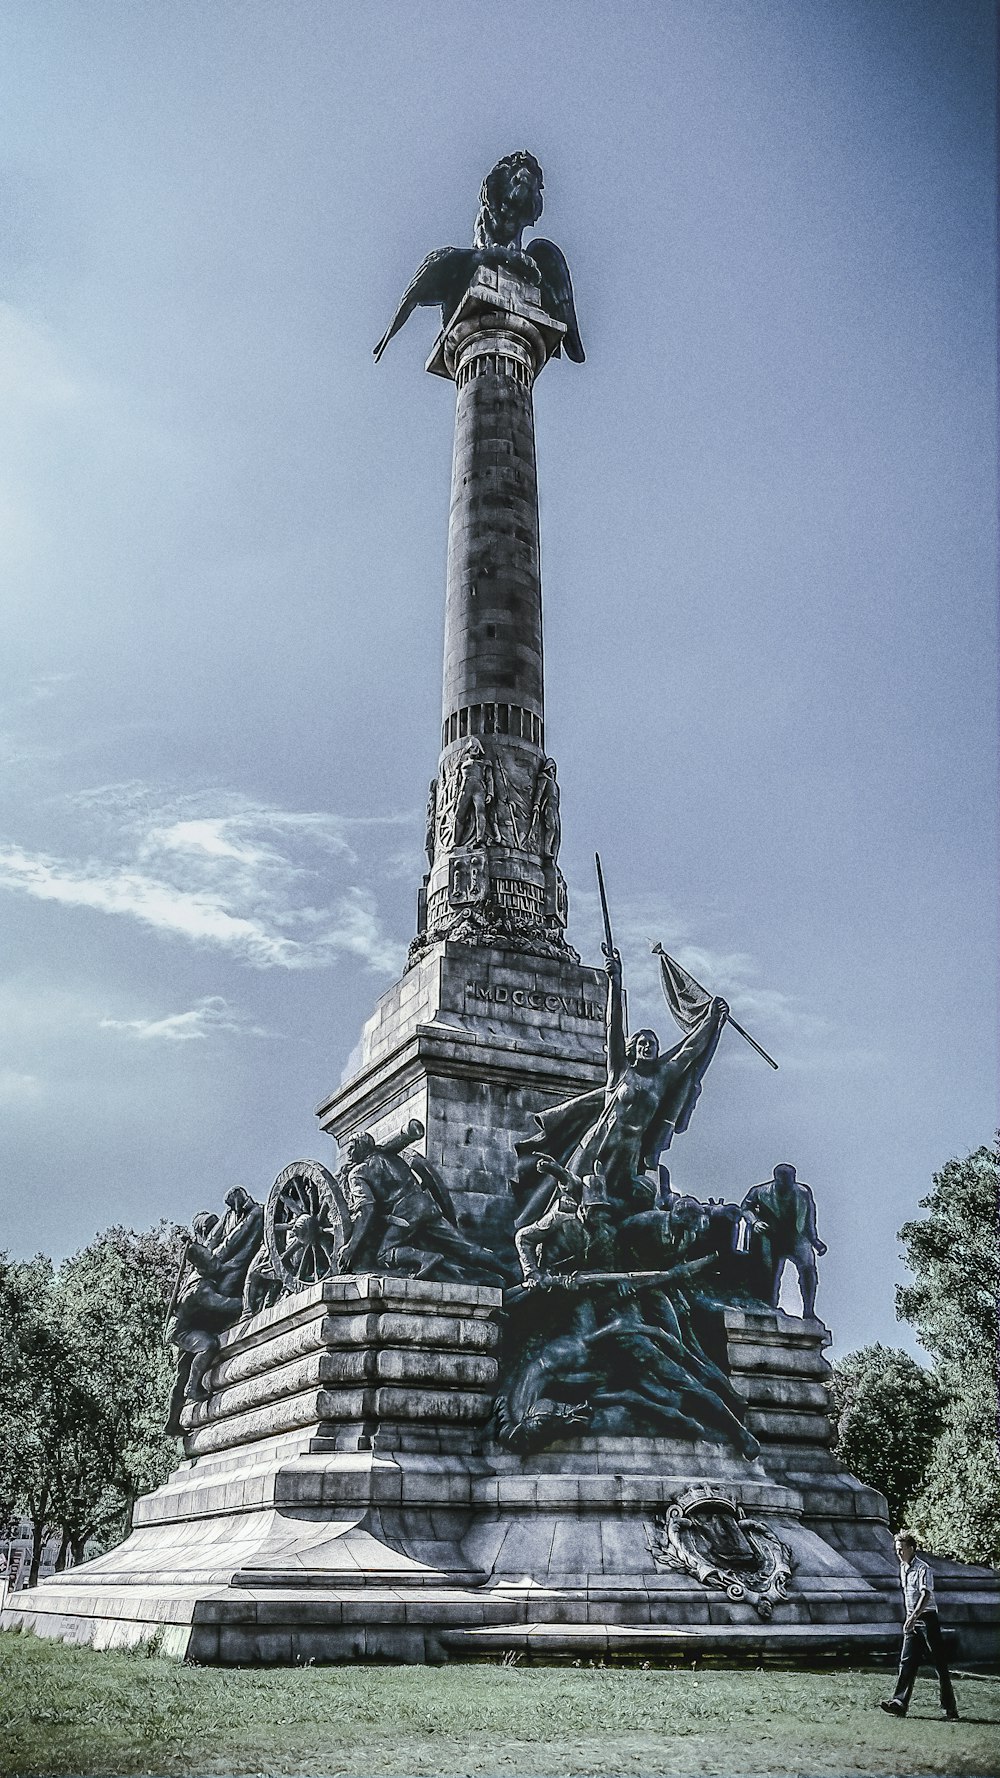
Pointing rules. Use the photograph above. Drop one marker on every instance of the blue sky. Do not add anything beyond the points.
(768, 553)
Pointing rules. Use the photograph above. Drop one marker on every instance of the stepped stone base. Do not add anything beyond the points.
(342, 1500)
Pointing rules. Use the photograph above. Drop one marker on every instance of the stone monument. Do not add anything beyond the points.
(492, 1385)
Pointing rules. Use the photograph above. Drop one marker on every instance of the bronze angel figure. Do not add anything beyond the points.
(510, 202)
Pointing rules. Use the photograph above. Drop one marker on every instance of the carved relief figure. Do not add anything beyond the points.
(545, 828)
(507, 807)
(446, 785)
(475, 799)
(430, 826)
(469, 878)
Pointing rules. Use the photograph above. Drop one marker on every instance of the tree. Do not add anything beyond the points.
(85, 1378)
(33, 1366)
(114, 1296)
(889, 1417)
(952, 1303)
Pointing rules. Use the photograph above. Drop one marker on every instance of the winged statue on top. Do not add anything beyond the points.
(510, 202)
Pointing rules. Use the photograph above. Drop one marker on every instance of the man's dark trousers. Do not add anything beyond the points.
(924, 1642)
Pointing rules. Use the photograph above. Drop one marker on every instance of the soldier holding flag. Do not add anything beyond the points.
(621, 1129)
(648, 1095)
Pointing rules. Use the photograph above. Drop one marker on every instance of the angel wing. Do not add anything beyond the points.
(557, 292)
(444, 277)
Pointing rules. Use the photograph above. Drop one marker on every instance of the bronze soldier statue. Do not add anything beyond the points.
(783, 1215)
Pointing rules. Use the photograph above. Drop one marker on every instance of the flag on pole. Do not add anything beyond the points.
(687, 1001)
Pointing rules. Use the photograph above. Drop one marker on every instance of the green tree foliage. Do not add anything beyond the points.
(889, 1417)
(86, 1376)
(30, 1355)
(955, 1260)
(114, 1297)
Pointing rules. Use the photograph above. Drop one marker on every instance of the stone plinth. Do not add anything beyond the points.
(777, 1365)
(471, 1041)
(357, 1519)
(356, 1363)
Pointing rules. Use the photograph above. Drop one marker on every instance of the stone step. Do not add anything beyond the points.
(260, 1579)
(778, 1643)
(780, 1360)
(369, 1365)
(612, 1493)
(788, 1426)
(322, 1408)
(357, 1332)
(782, 1392)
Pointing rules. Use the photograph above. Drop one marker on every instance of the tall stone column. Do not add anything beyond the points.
(493, 823)
(494, 1017)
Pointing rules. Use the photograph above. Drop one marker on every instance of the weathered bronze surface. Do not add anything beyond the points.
(510, 202)
(782, 1214)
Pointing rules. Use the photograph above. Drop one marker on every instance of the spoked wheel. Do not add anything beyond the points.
(305, 1224)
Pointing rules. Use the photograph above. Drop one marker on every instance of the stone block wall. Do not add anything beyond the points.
(355, 1363)
(472, 1042)
(777, 1365)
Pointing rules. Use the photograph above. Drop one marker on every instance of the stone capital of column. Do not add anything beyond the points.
(496, 302)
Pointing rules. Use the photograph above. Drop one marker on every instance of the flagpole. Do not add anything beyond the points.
(658, 951)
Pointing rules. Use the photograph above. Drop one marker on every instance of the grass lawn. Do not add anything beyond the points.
(68, 1710)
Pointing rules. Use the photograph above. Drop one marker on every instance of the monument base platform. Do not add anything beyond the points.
(343, 1500)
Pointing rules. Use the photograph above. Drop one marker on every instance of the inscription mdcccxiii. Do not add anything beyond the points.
(533, 1000)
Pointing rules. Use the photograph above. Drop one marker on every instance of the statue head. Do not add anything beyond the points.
(689, 1216)
(784, 1174)
(203, 1224)
(359, 1147)
(238, 1200)
(642, 1046)
(510, 200)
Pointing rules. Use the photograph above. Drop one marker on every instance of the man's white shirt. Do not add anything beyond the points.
(915, 1578)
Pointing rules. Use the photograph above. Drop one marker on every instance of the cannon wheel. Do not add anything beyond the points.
(305, 1224)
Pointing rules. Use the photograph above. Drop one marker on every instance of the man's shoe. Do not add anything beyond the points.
(951, 1716)
(891, 1707)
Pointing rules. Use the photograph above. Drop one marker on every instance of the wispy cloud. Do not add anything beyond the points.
(215, 869)
(35, 373)
(18, 1088)
(801, 1038)
(209, 1015)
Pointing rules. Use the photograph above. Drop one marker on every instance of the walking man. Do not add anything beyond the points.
(922, 1639)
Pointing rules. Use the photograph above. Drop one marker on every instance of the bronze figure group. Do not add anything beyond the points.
(614, 1283)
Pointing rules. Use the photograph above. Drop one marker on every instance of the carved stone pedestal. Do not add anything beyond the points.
(471, 1041)
(341, 1499)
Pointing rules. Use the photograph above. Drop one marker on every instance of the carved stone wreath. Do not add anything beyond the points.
(710, 1537)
